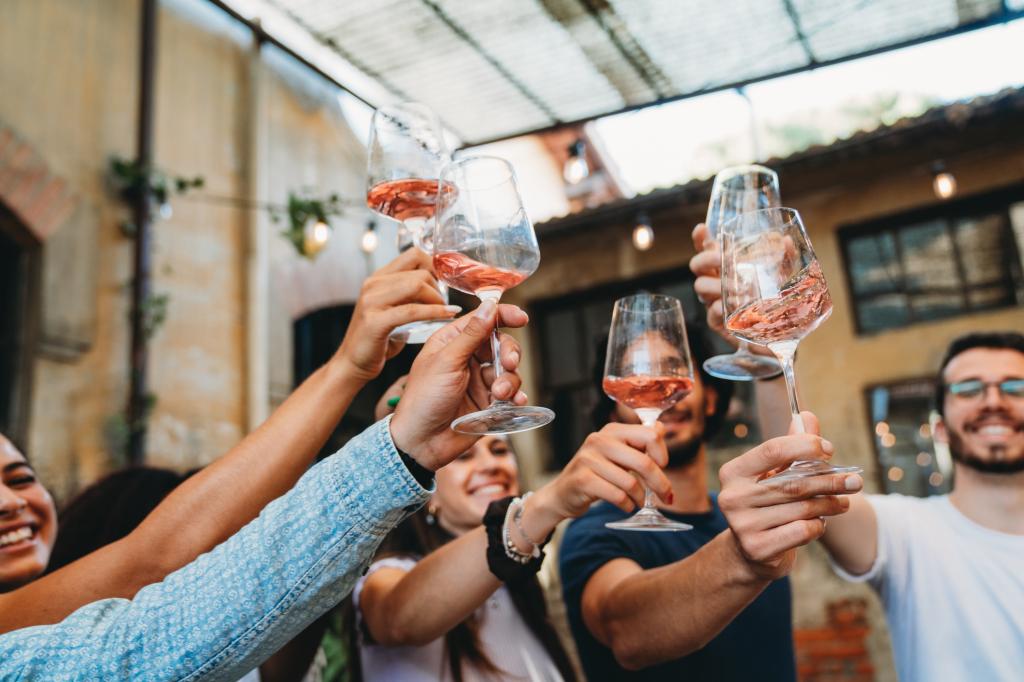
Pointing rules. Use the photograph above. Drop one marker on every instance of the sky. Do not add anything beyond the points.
(666, 145)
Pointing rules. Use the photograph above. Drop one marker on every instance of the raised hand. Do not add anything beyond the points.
(402, 291)
(448, 379)
(769, 522)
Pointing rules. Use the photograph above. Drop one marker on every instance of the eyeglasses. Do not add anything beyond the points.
(972, 389)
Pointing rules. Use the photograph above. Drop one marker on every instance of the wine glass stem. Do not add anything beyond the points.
(495, 343)
(744, 348)
(648, 417)
(785, 352)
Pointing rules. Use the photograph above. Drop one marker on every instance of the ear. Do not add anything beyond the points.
(710, 399)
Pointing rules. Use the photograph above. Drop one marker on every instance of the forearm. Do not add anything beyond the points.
(439, 593)
(773, 413)
(452, 582)
(672, 611)
(852, 538)
(206, 509)
(246, 598)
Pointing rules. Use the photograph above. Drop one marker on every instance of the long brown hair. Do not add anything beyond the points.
(416, 537)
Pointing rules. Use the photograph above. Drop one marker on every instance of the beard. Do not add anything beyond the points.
(961, 454)
(681, 454)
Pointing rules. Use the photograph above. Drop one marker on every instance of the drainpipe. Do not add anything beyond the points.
(141, 281)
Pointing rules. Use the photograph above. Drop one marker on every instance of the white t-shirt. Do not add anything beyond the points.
(505, 638)
(953, 592)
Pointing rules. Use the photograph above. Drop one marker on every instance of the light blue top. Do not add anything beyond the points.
(231, 608)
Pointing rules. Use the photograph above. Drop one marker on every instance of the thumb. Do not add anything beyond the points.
(809, 422)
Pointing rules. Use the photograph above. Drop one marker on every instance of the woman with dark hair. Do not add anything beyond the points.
(453, 593)
(108, 510)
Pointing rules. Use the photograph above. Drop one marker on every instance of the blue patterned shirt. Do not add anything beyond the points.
(231, 608)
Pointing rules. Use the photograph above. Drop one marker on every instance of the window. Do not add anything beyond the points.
(570, 329)
(20, 274)
(948, 260)
(902, 418)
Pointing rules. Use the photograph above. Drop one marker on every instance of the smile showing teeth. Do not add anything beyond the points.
(995, 430)
(492, 489)
(19, 535)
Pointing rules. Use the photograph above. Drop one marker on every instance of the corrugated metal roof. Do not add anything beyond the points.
(496, 68)
(948, 118)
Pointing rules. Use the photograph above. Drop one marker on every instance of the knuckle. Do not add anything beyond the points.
(726, 499)
(794, 488)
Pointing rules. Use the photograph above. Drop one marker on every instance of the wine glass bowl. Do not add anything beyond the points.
(774, 294)
(737, 190)
(406, 153)
(484, 244)
(648, 369)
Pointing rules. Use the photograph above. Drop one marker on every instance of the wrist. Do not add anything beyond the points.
(538, 519)
(406, 444)
(341, 369)
(745, 570)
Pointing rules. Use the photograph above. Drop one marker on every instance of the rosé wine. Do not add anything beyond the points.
(640, 390)
(795, 312)
(404, 199)
(473, 277)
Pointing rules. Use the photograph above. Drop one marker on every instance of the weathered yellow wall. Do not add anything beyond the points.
(69, 71)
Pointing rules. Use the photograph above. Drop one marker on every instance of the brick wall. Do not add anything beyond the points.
(836, 651)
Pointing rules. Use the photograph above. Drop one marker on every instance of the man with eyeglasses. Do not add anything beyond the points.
(950, 569)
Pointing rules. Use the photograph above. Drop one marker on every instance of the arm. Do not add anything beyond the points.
(418, 606)
(852, 539)
(198, 515)
(630, 610)
(647, 617)
(229, 609)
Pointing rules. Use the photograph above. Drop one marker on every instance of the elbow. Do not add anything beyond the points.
(399, 631)
(628, 647)
(633, 651)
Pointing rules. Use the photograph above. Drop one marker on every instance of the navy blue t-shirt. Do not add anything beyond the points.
(757, 645)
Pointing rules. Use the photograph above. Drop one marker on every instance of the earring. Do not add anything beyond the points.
(432, 514)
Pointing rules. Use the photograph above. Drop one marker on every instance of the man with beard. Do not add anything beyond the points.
(950, 568)
(712, 603)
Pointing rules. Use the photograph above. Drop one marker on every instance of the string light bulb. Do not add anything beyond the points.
(576, 169)
(370, 239)
(315, 236)
(943, 182)
(643, 233)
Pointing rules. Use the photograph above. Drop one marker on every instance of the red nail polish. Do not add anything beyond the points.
(671, 497)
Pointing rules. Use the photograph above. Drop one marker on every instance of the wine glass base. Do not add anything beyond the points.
(742, 367)
(499, 419)
(648, 519)
(417, 332)
(807, 469)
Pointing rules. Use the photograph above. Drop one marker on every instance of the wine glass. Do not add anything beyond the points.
(734, 191)
(406, 154)
(483, 245)
(774, 294)
(648, 369)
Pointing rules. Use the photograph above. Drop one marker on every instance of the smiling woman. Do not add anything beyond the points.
(28, 520)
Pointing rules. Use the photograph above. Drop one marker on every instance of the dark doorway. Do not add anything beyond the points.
(317, 336)
(19, 315)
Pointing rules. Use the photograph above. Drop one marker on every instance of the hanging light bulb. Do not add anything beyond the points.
(370, 239)
(315, 236)
(576, 169)
(943, 182)
(643, 233)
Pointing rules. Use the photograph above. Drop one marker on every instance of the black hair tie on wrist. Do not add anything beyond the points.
(501, 565)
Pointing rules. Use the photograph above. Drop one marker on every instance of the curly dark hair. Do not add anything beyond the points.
(700, 350)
